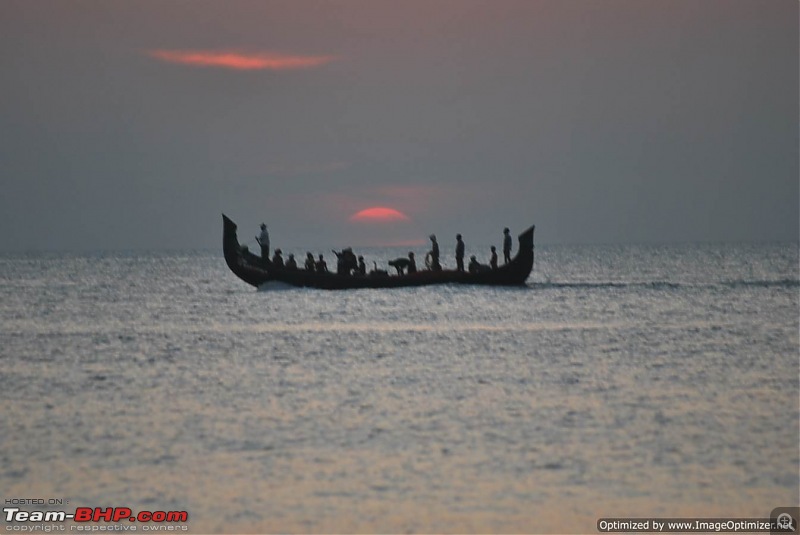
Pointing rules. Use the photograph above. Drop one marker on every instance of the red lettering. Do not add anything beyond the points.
(120, 513)
(106, 515)
(177, 516)
(116, 514)
(83, 514)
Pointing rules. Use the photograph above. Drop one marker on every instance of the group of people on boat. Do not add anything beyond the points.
(432, 258)
(348, 264)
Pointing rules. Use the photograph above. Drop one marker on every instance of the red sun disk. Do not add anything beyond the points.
(379, 214)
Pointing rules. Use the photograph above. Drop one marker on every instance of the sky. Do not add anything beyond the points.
(135, 125)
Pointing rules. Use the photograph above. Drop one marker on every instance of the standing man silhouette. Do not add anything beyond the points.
(434, 254)
(506, 246)
(263, 241)
(459, 253)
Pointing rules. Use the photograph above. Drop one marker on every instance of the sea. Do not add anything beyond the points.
(621, 381)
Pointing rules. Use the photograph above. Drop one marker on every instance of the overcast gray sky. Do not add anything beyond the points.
(135, 124)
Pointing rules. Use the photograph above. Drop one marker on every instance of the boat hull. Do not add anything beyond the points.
(256, 271)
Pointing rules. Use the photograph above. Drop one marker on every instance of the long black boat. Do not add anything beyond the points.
(256, 271)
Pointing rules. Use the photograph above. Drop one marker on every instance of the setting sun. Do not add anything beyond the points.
(379, 214)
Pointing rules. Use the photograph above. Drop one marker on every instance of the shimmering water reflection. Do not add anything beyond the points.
(623, 381)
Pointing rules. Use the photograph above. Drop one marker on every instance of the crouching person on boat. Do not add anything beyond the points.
(403, 264)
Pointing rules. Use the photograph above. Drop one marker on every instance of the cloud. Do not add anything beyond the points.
(241, 61)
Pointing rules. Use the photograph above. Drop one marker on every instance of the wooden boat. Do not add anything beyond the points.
(256, 271)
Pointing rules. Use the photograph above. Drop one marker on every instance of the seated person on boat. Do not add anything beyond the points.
(322, 266)
(277, 259)
(310, 264)
(475, 266)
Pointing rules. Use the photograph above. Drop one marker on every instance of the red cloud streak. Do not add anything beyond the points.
(240, 61)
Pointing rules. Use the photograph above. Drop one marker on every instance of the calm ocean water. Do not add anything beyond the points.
(624, 381)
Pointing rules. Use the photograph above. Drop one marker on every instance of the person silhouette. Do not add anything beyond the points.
(310, 262)
(322, 266)
(412, 264)
(277, 259)
(434, 254)
(263, 241)
(506, 246)
(474, 266)
(459, 253)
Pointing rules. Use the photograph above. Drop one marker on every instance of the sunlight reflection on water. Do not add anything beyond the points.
(164, 383)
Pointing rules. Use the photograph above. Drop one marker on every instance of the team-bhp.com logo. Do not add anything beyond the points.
(98, 514)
